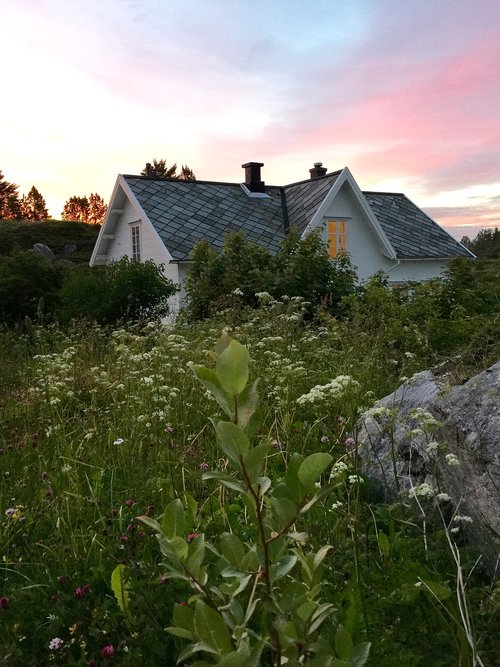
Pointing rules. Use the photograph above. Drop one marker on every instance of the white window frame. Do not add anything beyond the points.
(136, 240)
(340, 236)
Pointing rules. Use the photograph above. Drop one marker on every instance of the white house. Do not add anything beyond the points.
(161, 219)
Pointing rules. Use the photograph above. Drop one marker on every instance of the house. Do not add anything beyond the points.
(160, 219)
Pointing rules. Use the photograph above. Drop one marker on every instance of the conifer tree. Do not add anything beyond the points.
(33, 206)
(159, 169)
(9, 200)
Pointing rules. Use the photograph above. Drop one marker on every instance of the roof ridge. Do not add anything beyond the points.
(314, 180)
(161, 179)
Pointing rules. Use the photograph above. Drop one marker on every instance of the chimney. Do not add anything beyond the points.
(252, 176)
(318, 170)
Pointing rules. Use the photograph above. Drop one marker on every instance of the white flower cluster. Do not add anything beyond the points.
(422, 490)
(333, 389)
(452, 460)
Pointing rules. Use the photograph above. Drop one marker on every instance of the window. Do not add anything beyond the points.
(336, 236)
(136, 243)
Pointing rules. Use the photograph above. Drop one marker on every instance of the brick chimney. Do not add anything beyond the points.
(318, 170)
(252, 176)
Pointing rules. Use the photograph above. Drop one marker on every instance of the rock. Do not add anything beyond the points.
(43, 251)
(425, 433)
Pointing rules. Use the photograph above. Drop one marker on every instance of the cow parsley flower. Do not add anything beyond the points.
(423, 490)
(452, 460)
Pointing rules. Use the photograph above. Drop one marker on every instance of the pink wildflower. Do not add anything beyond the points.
(108, 651)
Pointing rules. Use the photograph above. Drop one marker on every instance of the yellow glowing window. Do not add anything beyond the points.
(336, 231)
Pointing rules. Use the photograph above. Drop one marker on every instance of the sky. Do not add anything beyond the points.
(406, 93)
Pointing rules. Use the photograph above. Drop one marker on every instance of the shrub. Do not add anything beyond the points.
(124, 290)
(28, 284)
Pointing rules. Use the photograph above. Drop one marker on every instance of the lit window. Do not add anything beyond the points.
(136, 243)
(336, 236)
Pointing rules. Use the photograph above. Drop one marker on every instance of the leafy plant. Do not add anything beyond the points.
(257, 599)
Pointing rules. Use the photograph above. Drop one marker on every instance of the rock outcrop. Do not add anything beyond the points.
(446, 438)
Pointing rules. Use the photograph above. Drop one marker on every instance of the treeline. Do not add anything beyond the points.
(485, 244)
(90, 209)
(33, 206)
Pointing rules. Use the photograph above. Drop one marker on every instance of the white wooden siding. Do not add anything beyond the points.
(364, 251)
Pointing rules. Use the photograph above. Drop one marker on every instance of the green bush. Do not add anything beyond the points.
(301, 268)
(29, 284)
(124, 290)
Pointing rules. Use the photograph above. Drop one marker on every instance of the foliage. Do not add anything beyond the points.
(159, 169)
(91, 210)
(33, 207)
(301, 268)
(485, 244)
(9, 200)
(22, 235)
(100, 427)
(124, 290)
(29, 285)
(257, 600)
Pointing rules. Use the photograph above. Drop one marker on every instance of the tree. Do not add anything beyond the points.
(486, 244)
(33, 206)
(9, 200)
(85, 209)
(159, 169)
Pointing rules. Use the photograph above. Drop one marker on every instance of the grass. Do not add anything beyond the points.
(100, 427)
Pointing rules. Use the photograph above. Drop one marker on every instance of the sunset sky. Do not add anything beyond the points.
(406, 93)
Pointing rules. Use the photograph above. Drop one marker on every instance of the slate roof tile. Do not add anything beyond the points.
(183, 212)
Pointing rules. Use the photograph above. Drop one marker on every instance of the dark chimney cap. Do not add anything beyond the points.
(318, 170)
(252, 176)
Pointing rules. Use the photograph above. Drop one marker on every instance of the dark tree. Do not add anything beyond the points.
(9, 200)
(159, 169)
(33, 206)
(485, 244)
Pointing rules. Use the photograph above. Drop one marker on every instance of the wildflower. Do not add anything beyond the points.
(432, 447)
(355, 479)
(61, 579)
(191, 537)
(338, 469)
(123, 539)
(443, 498)
(169, 428)
(325, 439)
(55, 644)
(460, 518)
(203, 466)
(4, 602)
(349, 442)
(119, 441)
(275, 444)
(108, 651)
(237, 292)
(129, 502)
(452, 460)
(51, 617)
(337, 505)
(424, 490)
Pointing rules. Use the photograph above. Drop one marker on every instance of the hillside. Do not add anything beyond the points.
(59, 235)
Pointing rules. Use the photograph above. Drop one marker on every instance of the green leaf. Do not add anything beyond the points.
(180, 632)
(173, 523)
(248, 402)
(208, 379)
(254, 460)
(184, 617)
(152, 523)
(227, 480)
(320, 615)
(233, 441)
(436, 589)
(312, 467)
(120, 588)
(211, 628)
(195, 648)
(243, 658)
(384, 543)
(320, 555)
(231, 367)
(283, 512)
(232, 549)
(180, 547)
(360, 654)
(343, 643)
(282, 567)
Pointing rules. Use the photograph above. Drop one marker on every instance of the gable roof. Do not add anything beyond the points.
(412, 233)
(184, 212)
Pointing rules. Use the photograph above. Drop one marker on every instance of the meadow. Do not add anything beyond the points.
(108, 436)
